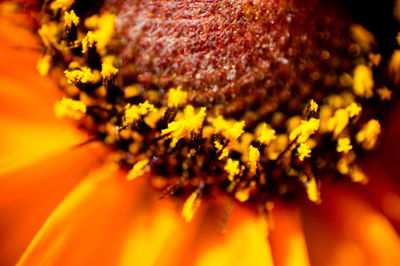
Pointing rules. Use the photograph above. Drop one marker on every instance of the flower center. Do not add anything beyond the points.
(257, 99)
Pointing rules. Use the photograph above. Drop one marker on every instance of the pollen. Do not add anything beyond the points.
(384, 94)
(108, 70)
(83, 75)
(190, 122)
(313, 106)
(61, 4)
(177, 97)
(267, 135)
(363, 81)
(232, 168)
(368, 135)
(88, 42)
(305, 130)
(344, 145)
(69, 108)
(135, 112)
(353, 109)
(254, 157)
(70, 19)
(304, 151)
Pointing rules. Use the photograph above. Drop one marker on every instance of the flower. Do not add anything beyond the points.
(66, 203)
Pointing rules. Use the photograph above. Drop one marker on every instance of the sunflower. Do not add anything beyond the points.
(104, 164)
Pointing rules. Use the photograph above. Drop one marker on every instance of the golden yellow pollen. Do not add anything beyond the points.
(88, 41)
(344, 145)
(338, 122)
(70, 18)
(83, 75)
(363, 81)
(385, 94)
(267, 135)
(138, 170)
(191, 205)
(363, 37)
(369, 133)
(394, 67)
(313, 106)
(304, 151)
(353, 109)
(177, 97)
(108, 70)
(134, 112)
(190, 122)
(304, 130)
(61, 4)
(43, 65)
(232, 168)
(69, 108)
(103, 30)
(254, 157)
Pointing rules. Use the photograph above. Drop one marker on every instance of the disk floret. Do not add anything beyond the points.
(253, 156)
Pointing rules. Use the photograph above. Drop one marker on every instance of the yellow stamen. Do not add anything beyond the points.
(338, 122)
(138, 170)
(304, 151)
(61, 4)
(232, 168)
(88, 42)
(384, 93)
(70, 18)
(344, 145)
(363, 81)
(304, 130)
(368, 135)
(254, 157)
(134, 112)
(267, 135)
(353, 109)
(108, 70)
(394, 67)
(83, 75)
(313, 106)
(190, 122)
(69, 108)
(177, 97)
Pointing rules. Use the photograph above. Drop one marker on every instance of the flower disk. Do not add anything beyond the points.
(257, 99)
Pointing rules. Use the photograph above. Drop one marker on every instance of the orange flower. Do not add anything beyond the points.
(63, 203)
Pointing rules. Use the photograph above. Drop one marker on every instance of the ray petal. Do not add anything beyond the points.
(287, 237)
(29, 194)
(87, 228)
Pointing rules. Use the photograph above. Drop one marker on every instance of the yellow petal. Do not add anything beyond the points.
(287, 237)
(87, 228)
(29, 194)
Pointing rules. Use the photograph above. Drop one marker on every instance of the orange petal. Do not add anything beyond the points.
(384, 191)
(287, 237)
(23, 92)
(245, 243)
(156, 236)
(347, 230)
(23, 142)
(87, 228)
(31, 193)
